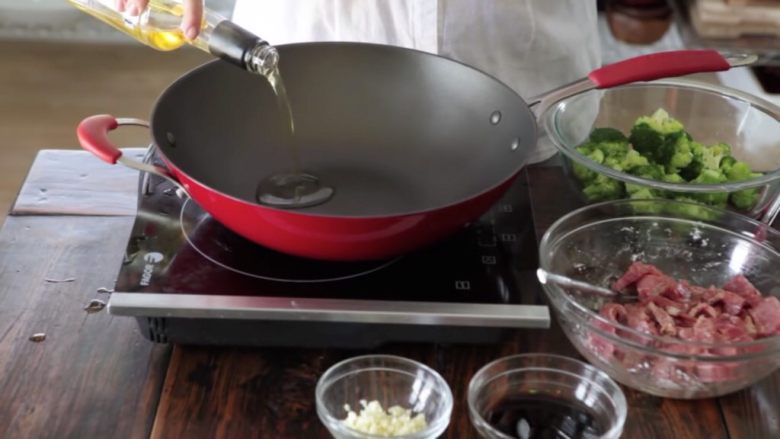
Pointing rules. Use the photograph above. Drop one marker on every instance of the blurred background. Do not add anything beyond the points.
(60, 65)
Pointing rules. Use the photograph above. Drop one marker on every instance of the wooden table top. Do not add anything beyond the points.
(94, 376)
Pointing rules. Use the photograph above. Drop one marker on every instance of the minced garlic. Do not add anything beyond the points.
(374, 420)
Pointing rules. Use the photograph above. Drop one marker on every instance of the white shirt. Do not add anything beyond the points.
(531, 45)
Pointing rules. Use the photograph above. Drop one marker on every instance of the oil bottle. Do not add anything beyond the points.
(158, 26)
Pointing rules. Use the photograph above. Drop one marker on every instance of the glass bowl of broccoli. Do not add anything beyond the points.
(676, 139)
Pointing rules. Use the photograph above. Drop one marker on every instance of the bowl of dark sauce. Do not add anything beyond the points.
(533, 396)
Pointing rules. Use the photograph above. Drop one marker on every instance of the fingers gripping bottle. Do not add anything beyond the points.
(158, 26)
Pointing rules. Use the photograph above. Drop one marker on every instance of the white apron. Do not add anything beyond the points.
(531, 45)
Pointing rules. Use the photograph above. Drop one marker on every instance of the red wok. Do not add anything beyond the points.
(414, 145)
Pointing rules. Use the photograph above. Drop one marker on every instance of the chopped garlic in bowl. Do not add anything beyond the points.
(383, 396)
(373, 419)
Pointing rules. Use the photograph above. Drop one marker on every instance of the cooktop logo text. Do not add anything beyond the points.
(151, 259)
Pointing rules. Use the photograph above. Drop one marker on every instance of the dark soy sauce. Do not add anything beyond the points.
(543, 417)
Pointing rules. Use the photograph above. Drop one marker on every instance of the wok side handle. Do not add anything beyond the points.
(92, 133)
(665, 65)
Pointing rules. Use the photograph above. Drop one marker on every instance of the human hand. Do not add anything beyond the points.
(190, 23)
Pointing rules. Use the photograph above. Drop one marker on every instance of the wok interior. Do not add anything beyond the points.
(394, 131)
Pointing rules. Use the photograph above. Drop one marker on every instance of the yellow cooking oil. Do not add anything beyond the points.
(157, 26)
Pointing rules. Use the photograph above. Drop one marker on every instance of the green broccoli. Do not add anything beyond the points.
(745, 199)
(661, 122)
(696, 165)
(603, 188)
(584, 174)
(681, 154)
(650, 171)
(599, 135)
(712, 155)
(633, 160)
(632, 188)
(739, 171)
(647, 141)
(649, 206)
(692, 209)
(658, 148)
(711, 176)
(726, 163)
(673, 178)
(642, 193)
(613, 149)
(705, 157)
(656, 136)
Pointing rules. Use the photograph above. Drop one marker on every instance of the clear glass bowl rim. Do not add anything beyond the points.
(328, 378)
(771, 345)
(616, 393)
(550, 118)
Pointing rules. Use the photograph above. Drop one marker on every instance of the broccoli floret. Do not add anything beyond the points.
(694, 168)
(633, 160)
(726, 163)
(613, 149)
(705, 157)
(599, 135)
(739, 171)
(649, 206)
(661, 122)
(710, 176)
(712, 155)
(691, 211)
(593, 153)
(655, 136)
(647, 141)
(643, 193)
(584, 174)
(633, 188)
(662, 139)
(625, 162)
(603, 188)
(650, 172)
(745, 199)
(682, 155)
(673, 178)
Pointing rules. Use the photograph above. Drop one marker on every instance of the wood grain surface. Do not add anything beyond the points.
(93, 376)
(63, 182)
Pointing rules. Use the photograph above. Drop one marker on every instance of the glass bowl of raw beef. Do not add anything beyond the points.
(696, 311)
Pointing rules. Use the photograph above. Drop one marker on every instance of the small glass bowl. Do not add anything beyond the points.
(710, 113)
(391, 381)
(546, 376)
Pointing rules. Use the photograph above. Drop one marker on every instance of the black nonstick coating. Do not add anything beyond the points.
(394, 131)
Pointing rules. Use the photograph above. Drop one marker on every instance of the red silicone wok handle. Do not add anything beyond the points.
(657, 66)
(93, 136)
